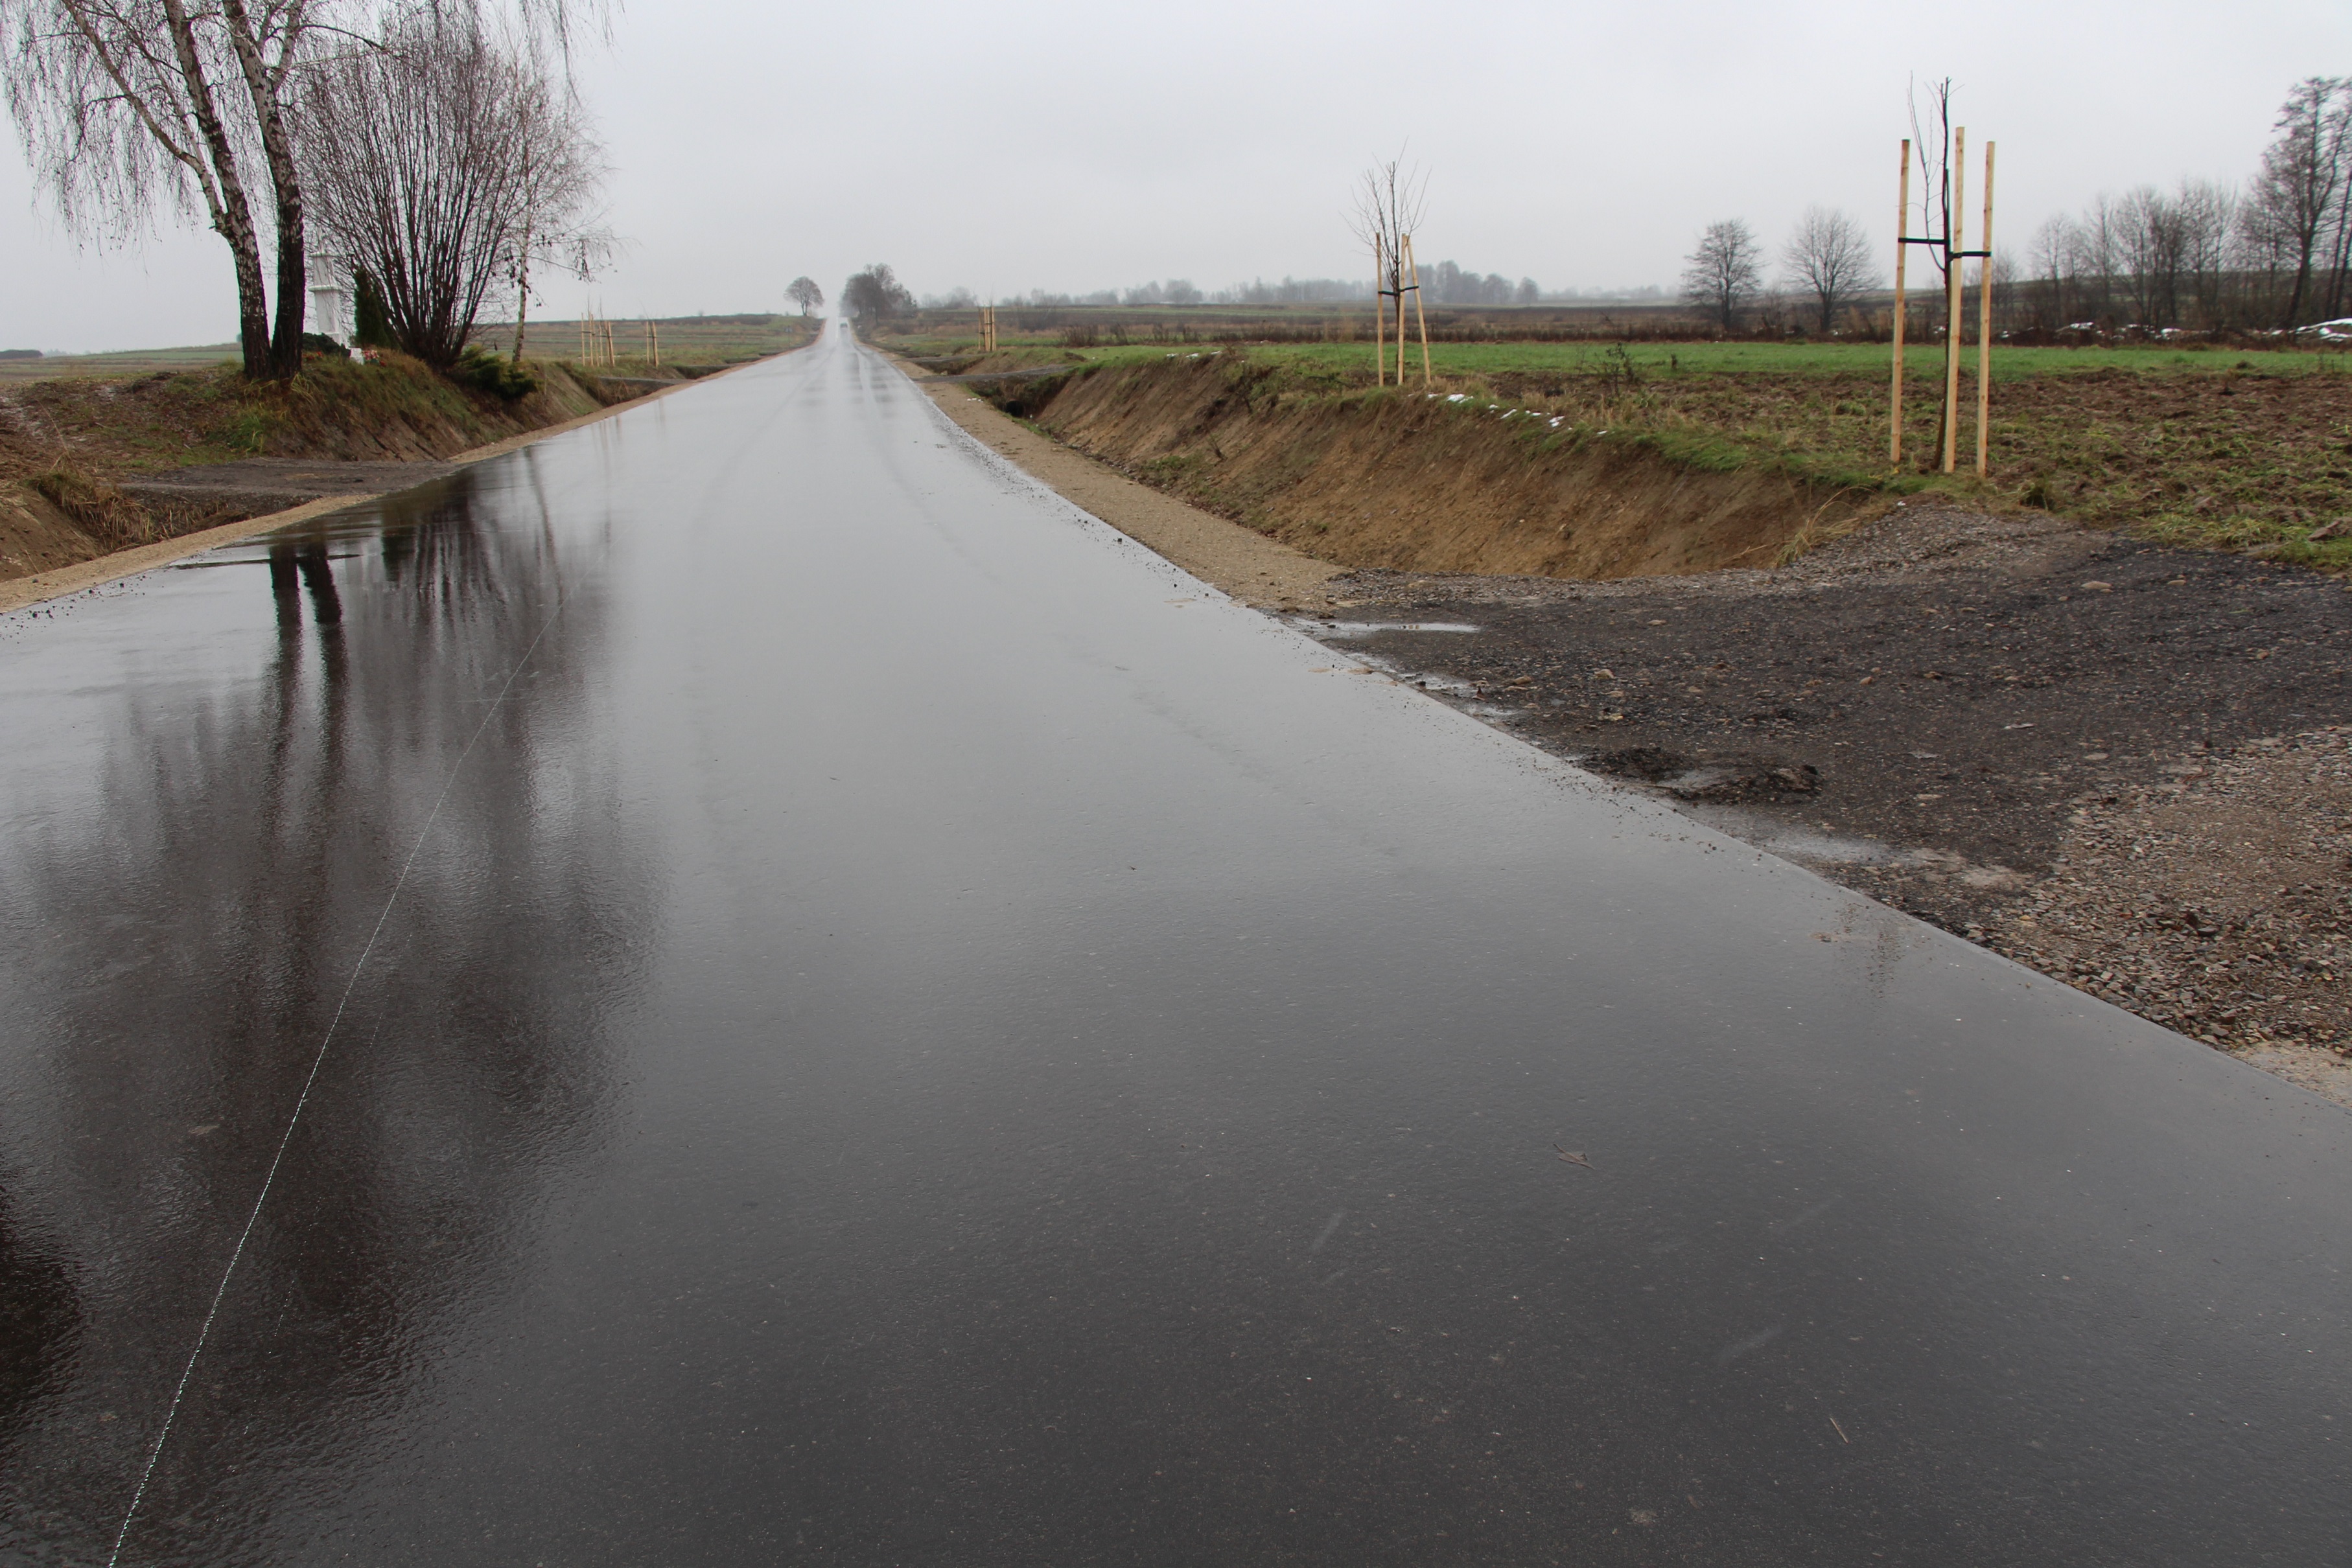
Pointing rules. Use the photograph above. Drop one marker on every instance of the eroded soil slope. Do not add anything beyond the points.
(1414, 482)
(72, 451)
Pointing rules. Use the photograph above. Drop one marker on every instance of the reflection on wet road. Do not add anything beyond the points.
(743, 985)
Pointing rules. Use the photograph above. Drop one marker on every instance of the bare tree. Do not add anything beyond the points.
(560, 172)
(130, 105)
(446, 165)
(874, 295)
(1935, 167)
(2154, 247)
(2098, 250)
(1389, 201)
(2054, 254)
(1828, 256)
(2207, 214)
(126, 105)
(2302, 185)
(804, 292)
(1725, 272)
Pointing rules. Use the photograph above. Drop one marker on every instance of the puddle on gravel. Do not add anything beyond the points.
(1817, 847)
(1435, 684)
(1793, 840)
(1373, 628)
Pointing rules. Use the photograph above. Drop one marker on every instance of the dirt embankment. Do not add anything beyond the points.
(1406, 481)
(90, 466)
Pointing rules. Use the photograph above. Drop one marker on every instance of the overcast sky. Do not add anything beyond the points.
(1034, 143)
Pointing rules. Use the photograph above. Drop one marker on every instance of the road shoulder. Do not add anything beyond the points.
(1255, 570)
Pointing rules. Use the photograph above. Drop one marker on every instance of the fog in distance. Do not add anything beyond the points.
(1043, 144)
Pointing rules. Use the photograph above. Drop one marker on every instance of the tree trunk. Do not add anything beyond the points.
(522, 301)
(522, 270)
(233, 218)
(286, 184)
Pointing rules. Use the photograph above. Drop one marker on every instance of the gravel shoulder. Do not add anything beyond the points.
(1253, 569)
(2121, 764)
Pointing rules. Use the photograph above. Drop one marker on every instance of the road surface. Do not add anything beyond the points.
(742, 985)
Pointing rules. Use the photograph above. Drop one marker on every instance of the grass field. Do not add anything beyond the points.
(1922, 363)
(2237, 449)
(688, 340)
(691, 341)
(137, 362)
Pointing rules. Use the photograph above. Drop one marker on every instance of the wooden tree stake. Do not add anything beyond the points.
(1984, 329)
(1419, 314)
(1954, 317)
(1902, 255)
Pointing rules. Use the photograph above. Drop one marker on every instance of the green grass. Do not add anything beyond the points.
(691, 340)
(138, 362)
(1922, 363)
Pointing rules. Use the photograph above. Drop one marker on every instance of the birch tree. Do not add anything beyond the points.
(135, 109)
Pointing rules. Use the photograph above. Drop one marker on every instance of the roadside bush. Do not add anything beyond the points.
(484, 370)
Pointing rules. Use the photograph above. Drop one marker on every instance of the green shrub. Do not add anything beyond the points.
(492, 372)
(371, 324)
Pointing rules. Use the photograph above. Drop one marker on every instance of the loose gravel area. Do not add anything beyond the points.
(2217, 903)
(2122, 764)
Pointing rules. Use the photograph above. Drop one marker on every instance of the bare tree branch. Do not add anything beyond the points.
(1389, 203)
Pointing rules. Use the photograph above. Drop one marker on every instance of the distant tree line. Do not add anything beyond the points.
(2274, 254)
(1445, 284)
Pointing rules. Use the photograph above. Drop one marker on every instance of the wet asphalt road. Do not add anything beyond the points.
(744, 985)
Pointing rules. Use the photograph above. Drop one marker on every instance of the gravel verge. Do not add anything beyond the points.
(2122, 764)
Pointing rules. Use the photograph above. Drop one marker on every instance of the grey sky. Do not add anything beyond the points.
(1035, 143)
